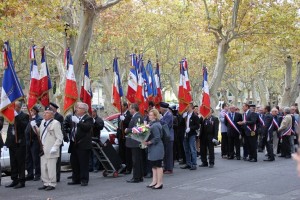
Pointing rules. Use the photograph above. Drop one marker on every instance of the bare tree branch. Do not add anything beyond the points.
(108, 4)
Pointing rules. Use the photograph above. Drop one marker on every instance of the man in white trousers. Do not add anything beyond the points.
(51, 138)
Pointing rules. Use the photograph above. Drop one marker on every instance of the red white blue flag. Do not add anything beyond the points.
(205, 106)
(132, 80)
(117, 90)
(158, 98)
(184, 91)
(71, 93)
(11, 88)
(86, 93)
(34, 88)
(45, 80)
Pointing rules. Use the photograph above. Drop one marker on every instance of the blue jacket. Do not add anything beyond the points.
(168, 119)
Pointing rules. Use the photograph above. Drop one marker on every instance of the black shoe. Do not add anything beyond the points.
(287, 156)
(134, 181)
(282, 156)
(203, 165)
(69, 177)
(20, 185)
(50, 188)
(211, 166)
(230, 158)
(253, 160)
(238, 158)
(84, 183)
(151, 186)
(29, 178)
(193, 168)
(73, 183)
(42, 188)
(37, 178)
(185, 167)
(13, 184)
(245, 159)
(182, 163)
(157, 188)
(269, 159)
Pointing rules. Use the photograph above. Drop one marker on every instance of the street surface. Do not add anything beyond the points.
(228, 180)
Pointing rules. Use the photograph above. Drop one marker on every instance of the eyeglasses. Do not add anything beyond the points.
(80, 108)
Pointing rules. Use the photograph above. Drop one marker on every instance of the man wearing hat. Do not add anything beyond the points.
(33, 147)
(59, 118)
(168, 119)
(51, 138)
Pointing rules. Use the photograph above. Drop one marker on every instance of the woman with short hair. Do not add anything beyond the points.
(155, 149)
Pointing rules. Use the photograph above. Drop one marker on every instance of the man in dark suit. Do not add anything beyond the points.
(267, 135)
(80, 151)
(189, 141)
(249, 131)
(33, 148)
(208, 137)
(168, 119)
(60, 118)
(97, 127)
(260, 129)
(234, 132)
(16, 143)
(137, 152)
(124, 152)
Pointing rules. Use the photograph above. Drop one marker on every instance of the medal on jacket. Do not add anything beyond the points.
(252, 133)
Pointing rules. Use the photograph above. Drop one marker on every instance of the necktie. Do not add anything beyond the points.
(231, 116)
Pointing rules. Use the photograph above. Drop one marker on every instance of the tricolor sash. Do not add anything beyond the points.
(275, 123)
(287, 132)
(261, 120)
(248, 127)
(232, 123)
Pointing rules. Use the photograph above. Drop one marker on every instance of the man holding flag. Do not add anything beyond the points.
(11, 111)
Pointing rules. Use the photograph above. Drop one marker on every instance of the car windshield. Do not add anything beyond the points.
(110, 126)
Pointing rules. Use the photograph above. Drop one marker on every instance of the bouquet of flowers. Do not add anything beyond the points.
(140, 133)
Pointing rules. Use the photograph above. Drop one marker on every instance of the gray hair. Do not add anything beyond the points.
(287, 110)
(83, 106)
(135, 107)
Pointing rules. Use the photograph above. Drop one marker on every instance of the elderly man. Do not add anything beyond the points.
(137, 153)
(33, 161)
(293, 138)
(51, 137)
(168, 119)
(16, 143)
(81, 150)
(285, 131)
(276, 123)
(224, 141)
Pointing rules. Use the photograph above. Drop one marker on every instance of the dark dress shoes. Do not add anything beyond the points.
(282, 156)
(230, 158)
(151, 186)
(19, 185)
(193, 168)
(13, 184)
(185, 167)
(157, 188)
(84, 184)
(253, 160)
(42, 188)
(203, 165)
(211, 166)
(29, 178)
(50, 188)
(134, 180)
(238, 158)
(69, 177)
(73, 183)
(269, 159)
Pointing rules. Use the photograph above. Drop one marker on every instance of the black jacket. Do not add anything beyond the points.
(137, 118)
(194, 124)
(122, 125)
(231, 130)
(83, 135)
(251, 120)
(98, 126)
(21, 121)
(209, 128)
(269, 127)
(30, 135)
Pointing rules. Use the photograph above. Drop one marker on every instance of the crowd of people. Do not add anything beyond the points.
(35, 142)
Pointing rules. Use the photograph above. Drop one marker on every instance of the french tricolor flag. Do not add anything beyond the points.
(71, 93)
(34, 88)
(45, 81)
(158, 97)
(86, 89)
(205, 106)
(117, 90)
(132, 80)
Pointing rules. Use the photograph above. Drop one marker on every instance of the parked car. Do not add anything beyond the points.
(108, 133)
(113, 118)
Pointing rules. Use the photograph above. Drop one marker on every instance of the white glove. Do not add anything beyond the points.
(184, 114)
(53, 150)
(122, 117)
(75, 119)
(116, 141)
(94, 120)
(33, 123)
(187, 130)
(214, 141)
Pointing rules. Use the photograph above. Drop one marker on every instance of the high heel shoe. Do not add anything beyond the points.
(151, 186)
(160, 187)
